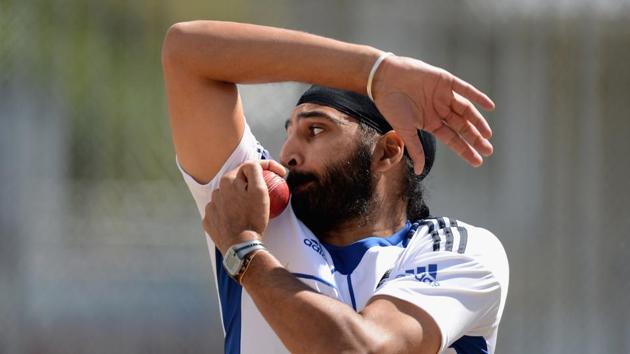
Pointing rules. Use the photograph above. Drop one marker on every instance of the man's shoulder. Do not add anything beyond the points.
(445, 234)
(451, 239)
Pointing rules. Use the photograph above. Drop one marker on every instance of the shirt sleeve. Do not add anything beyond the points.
(248, 149)
(456, 290)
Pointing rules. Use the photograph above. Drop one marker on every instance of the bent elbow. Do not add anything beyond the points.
(190, 44)
(173, 40)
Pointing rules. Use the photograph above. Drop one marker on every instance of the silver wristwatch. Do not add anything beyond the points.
(237, 257)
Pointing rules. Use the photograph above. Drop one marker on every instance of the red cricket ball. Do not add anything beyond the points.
(278, 193)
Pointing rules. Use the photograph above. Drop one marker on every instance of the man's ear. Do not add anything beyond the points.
(388, 152)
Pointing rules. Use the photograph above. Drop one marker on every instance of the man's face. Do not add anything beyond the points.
(330, 167)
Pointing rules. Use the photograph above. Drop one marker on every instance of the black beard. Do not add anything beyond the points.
(344, 193)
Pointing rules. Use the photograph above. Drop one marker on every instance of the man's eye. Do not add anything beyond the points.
(316, 130)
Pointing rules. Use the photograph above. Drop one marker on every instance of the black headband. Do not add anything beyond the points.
(363, 109)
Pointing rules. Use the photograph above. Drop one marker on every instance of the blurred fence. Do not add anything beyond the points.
(100, 245)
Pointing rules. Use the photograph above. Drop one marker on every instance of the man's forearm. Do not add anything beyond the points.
(245, 53)
(305, 321)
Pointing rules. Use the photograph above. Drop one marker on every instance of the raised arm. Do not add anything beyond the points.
(203, 60)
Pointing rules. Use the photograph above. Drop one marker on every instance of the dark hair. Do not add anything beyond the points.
(412, 189)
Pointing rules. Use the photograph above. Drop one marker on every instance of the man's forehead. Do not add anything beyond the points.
(313, 110)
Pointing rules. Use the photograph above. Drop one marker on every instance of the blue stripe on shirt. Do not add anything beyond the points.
(354, 303)
(347, 258)
(230, 298)
(470, 345)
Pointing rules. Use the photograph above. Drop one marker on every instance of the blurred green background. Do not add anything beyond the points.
(101, 249)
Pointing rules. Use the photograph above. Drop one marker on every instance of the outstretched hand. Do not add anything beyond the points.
(414, 95)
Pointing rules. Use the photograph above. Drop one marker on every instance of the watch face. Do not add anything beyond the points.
(232, 263)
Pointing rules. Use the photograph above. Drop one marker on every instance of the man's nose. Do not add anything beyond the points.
(290, 156)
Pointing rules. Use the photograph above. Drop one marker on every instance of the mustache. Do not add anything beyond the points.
(295, 178)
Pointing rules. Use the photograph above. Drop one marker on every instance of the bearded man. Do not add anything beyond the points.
(355, 263)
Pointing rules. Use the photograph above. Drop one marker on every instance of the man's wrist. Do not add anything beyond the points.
(254, 259)
(248, 261)
(373, 71)
(244, 236)
(237, 258)
(379, 74)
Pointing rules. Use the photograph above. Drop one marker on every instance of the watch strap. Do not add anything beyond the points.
(246, 262)
(236, 258)
(242, 249)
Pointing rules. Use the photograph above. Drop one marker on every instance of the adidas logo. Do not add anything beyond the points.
(428, 275)
(424, 274)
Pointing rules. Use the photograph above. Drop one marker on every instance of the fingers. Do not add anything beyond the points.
(414, 148)
(465, 109)
(215, 195)
(243, 175)
(466, 131)
(470, 92)
(210, 209)
(469, 132)
(274, 166)
(456, 143)
(444, 95)
(251, 173)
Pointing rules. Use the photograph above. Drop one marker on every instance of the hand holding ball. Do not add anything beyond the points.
(278, 193)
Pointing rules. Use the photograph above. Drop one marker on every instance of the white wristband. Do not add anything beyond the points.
(377, 63)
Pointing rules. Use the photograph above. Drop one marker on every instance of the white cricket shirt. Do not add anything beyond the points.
(456, 272)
